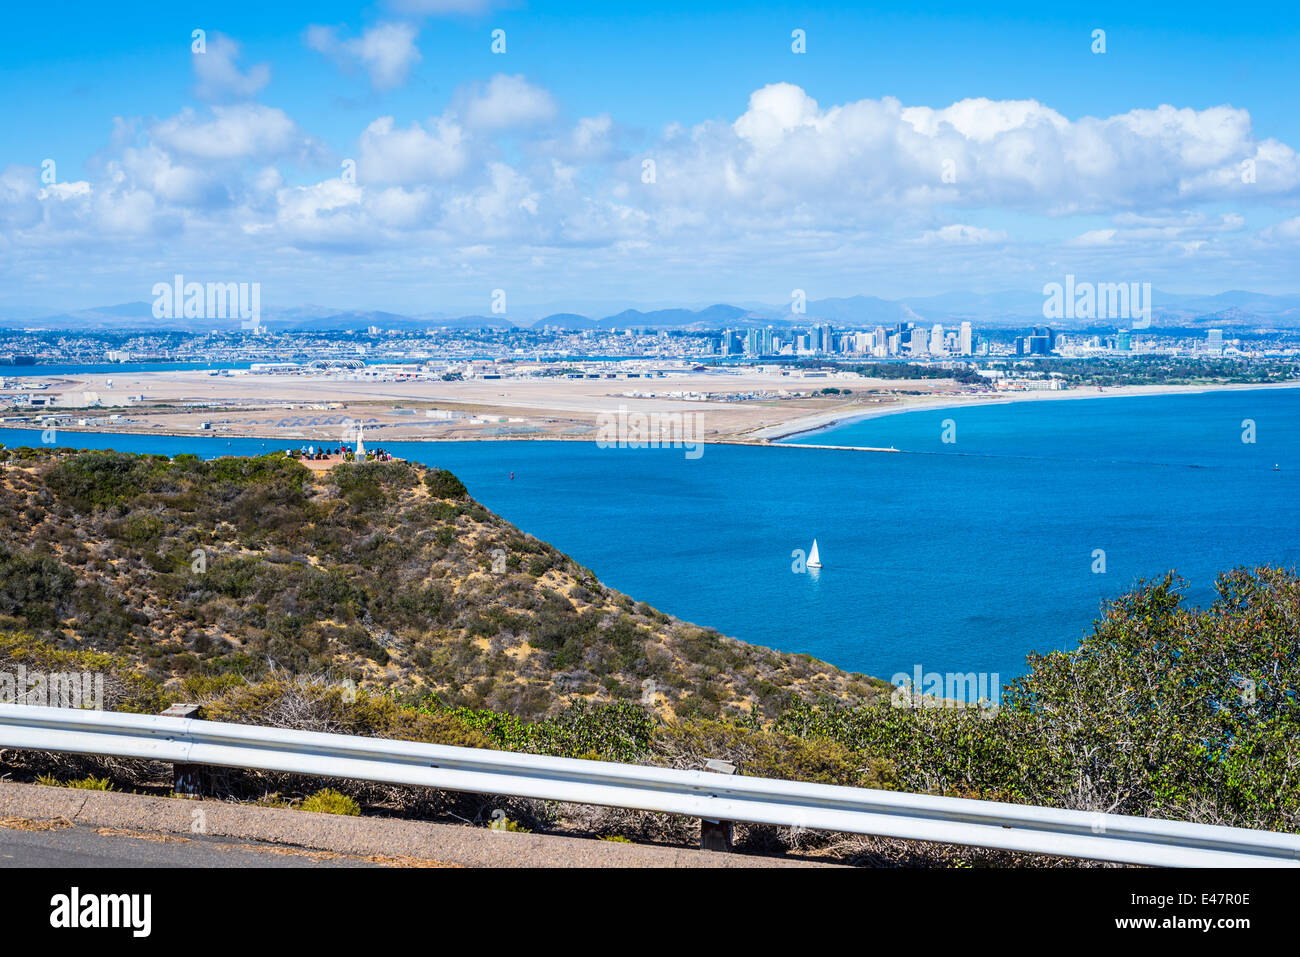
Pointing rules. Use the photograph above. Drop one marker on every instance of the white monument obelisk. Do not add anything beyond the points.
(361, 444)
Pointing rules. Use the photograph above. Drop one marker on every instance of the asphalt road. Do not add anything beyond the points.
(85, 846)
(54, 826)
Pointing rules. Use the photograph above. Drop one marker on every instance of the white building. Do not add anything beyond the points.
(936, 341)
(918, 341)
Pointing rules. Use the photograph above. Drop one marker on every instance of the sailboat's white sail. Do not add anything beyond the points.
(814, 559)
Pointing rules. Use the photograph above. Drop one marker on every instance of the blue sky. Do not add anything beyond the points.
(908, 151)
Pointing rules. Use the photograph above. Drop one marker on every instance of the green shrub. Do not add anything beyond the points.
(1162, 711)
(29, 581)
(100, 479)
(329, 801)
(443, 484)
(88, 783)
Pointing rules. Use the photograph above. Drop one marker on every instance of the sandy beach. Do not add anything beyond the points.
(823, 421)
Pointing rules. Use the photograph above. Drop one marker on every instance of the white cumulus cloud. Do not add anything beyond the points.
(219, 75)
(412, 154)
(387, 51)
(232, 132)
(506, 101)
(959, 234)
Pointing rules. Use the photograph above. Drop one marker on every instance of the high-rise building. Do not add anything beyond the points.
(1040, 342)
(918, 341)
(1214, 342)
(1034, 345)
(936, 341)
(964, 339)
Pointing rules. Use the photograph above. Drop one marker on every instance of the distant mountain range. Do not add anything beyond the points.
(1235, 308)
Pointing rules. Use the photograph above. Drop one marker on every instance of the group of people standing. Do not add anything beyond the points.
(342, 452)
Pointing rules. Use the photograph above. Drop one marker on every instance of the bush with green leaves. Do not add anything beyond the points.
(443, 484)
(330, 801)
(1164, 710)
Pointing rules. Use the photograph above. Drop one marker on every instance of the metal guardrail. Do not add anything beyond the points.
(1013, 827)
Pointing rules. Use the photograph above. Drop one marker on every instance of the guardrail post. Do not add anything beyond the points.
(716, 835)
(189, 780)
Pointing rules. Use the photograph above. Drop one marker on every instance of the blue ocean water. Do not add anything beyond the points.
(1201, 429)
(955, 557)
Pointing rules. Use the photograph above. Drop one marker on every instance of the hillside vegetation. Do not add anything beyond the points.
(1164, 711)
(383, 574)
(387, 574)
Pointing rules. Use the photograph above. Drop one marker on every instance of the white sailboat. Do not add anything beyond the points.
(814, 558)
